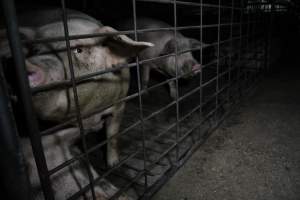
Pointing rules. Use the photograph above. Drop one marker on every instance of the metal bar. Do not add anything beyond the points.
(125, 188)
(231, 49)
(128, 32)
(85, 36)
(78, 80)
(188, 3)
(218, 55)
(240, 48)
(267, 43)
(270, 33)
(95, 181)
(176, 73)
(140, 96)
(92, 149)
(72, 121)
(30, 121)
(88, 77)
(76, 99)
(14, 175)
(201, 64)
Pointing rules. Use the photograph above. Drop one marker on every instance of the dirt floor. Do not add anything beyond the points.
(254, 155)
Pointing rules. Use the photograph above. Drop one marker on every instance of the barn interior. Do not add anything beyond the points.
(232, 132)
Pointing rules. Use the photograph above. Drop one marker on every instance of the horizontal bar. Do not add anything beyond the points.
(94, 182)
(87, 77)
(128, 32)
(80, 156)
(190, 4)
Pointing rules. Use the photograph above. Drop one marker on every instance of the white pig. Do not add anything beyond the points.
(164, 42)
(48, 63)
(59, 148)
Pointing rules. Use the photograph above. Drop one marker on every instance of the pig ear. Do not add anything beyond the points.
(197, 44)
(25, 34)
(123, 45)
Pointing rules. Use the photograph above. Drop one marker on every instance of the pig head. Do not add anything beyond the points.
(165, 43)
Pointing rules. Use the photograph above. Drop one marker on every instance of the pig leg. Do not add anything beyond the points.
(172, 86)
(145, 76)
(112, 128)
(103, 189)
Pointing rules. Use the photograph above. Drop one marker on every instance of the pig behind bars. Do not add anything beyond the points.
(47, 63)
(59, 148)
(165, 43)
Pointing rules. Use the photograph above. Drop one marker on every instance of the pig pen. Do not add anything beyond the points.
(158, 134)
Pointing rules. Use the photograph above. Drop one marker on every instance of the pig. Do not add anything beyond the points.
(164, 42)
(59, 148)
(48, 63)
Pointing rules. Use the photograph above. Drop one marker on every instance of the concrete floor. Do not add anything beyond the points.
(254, 155)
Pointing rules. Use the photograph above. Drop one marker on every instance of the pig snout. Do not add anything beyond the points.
(35, 74)
(196, 68)
(191, 69)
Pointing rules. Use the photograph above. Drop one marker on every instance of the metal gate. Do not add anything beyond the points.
(158, 134)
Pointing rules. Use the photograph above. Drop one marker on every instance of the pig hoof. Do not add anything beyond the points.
(173, 94)
(100, 196)
(113, 160)
(145, 90)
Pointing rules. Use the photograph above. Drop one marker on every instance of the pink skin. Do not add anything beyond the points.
(35, 75)
(196, 68)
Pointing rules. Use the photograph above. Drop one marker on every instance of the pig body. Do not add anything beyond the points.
(165, 43)
(48, 63)
(59, 148)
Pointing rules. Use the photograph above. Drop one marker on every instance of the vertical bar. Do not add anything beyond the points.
(14, 177)
(270, 33)
(247, 51)
(267, 37)
(201, 63)
(240, 47)
(76, 100)
(8, 7)
(84, 5)
(140, 99)
(218, 61)
(255, 36)
(176, 72)
(231, 51)
(248, 36)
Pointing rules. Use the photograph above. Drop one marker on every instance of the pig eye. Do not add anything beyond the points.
(35, 51)
(78, 50)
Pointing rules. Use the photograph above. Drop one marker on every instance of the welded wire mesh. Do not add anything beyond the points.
(158, 134)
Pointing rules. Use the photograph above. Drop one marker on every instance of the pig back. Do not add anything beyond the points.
(158, 38)
(44, 16)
